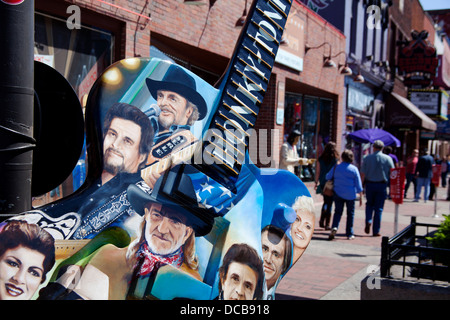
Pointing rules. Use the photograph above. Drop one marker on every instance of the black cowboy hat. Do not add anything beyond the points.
(175, 190)
(178, 80)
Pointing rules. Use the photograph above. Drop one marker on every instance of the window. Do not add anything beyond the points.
(79, 55)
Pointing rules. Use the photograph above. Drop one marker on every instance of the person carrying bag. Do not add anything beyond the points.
(328, 188)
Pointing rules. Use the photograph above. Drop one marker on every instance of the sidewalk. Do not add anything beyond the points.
(334, 269)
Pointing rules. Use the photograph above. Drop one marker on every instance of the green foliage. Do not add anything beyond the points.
(441, 239)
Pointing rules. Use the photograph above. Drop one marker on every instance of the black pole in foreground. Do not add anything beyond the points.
(16, 105)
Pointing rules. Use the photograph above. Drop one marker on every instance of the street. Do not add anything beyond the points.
(333, 270)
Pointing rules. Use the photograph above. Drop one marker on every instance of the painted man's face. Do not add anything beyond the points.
(121, 147)
(273, 249)
(239, 283)
(174, 109)
(166, 230)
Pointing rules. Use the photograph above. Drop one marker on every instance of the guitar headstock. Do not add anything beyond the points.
(242, 91)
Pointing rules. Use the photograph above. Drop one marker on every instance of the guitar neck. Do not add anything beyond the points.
(66, 248)
(243, 88)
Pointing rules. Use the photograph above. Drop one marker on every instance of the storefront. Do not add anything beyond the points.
(365, 107)
(312, 116)
(407, 120)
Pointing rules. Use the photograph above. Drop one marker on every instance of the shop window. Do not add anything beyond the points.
(80, 55)
(313, 117)
(309, 127)
(292, 113)
(325, 125)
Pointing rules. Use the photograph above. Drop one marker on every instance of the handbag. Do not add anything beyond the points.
(328, 188)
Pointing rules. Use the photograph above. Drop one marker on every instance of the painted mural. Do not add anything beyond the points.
(172, 207)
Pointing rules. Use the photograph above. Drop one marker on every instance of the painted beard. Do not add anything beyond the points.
(162, 244)
(112, 166)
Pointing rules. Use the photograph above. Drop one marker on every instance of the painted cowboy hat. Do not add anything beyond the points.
(175, 190)
(178, 80)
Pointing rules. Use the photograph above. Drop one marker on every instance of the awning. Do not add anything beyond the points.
(400, 112)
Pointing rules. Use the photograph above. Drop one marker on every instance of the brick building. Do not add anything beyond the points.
(202, 38)
(405, 16)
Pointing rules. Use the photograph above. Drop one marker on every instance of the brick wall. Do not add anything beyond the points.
(422, 21)
(314, 79)
(199, 26)
(125, 19)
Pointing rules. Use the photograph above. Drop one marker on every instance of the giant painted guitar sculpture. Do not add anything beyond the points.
(193, 178)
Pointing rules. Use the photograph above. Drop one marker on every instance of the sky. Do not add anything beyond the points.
(435, 4)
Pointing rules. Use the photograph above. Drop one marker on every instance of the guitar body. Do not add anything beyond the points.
(203, 170)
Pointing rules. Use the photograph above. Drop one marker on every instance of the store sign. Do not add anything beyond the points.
(436, 169)
(397, 184)
(431, 102)
(360, 99)
(417, 61)
(45, 58)
(292, 51)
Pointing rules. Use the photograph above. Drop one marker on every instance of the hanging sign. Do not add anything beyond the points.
(417, 61)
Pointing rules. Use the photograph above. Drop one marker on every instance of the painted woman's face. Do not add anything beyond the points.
(302, 228)
(21, 273)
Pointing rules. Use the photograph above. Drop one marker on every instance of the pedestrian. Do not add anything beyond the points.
(445, 166)
(424, 172)
(375, 172)
(411, 163)
(347, 182)
(327, 160)
(432, 185)
(289, 158)
(388, 150)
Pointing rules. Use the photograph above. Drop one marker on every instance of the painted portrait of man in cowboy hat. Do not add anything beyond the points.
(181, 104)
(166, 237)
(176, 94)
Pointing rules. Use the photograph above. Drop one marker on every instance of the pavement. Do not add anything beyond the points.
(333, 270)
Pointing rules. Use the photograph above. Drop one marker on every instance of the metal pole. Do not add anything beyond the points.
(16, 105)
(435, 203)
(396, 219)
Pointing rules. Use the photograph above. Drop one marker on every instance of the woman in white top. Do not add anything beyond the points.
(289, 158)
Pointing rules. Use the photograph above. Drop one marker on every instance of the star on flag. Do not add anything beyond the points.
(211, 194)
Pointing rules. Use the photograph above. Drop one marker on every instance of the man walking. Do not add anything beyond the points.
(411, 164)
(424, 173)
(375, 173)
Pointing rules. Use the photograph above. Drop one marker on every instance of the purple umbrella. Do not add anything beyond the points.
(370, 135)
